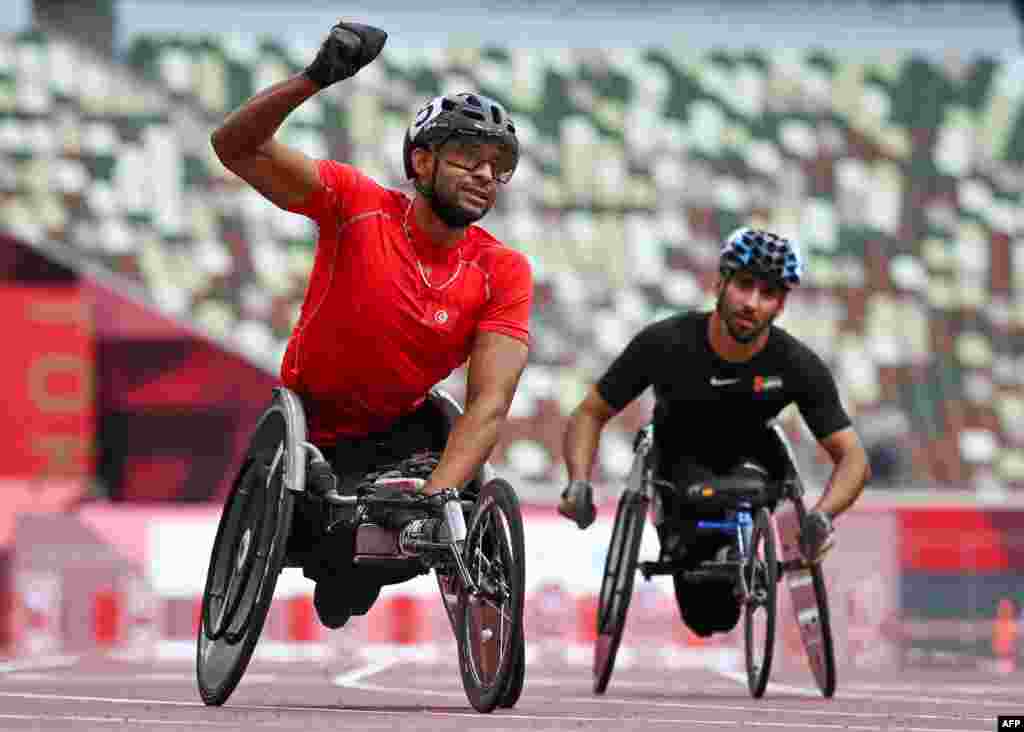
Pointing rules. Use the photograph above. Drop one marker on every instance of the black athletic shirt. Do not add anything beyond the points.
(707, 408)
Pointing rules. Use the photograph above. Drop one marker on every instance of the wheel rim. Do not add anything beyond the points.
(757, 618)
(612, 570)
(617, 587)
(489, 616)
(759, 614)
(622, 587)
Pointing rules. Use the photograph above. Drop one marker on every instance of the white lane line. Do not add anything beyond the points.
(874, 696)
(469, 713)
(110, 720)
(761, 708)
(741, 678)
(37, 664)
(733, 676)
(156, 678)
(352, 678)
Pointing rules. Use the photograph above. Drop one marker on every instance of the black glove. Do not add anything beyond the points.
(320, 478)
(577, 503)
(815, 536)
(347, 48)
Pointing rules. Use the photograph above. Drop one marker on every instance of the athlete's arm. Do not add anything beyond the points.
(246, 146)
(583, 433)
(245, 141)
(495, 365)
(851, 472)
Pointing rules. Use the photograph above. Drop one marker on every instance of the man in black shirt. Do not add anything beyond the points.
(718, 379)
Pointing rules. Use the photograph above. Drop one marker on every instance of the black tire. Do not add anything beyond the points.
(828, 684)
(493, 550)
(617, 585)
(514, 690)
(761, 572)
(238, 595)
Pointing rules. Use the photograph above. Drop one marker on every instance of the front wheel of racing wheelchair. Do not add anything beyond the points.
(479, 566)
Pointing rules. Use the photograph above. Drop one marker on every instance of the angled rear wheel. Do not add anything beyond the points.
(617, 585)
(247, 557)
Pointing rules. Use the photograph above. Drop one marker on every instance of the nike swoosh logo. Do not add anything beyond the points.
(723, 382)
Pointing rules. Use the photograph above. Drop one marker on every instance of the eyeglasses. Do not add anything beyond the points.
(470, 156)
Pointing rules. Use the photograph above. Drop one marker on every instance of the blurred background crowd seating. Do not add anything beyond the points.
(901, 176)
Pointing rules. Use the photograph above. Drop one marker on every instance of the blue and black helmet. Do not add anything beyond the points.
(764, 254)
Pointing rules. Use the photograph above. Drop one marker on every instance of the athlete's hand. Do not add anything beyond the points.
(577, 503)
(816, 536)
(347, 48)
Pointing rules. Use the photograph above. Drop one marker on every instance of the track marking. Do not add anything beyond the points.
(469, 713)
(741, 678)
(46, 662)
(156, 678)
(352, 678)
(110, 720)
(760, 708)
(875, 695)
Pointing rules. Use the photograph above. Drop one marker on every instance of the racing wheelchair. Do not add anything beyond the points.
(472, 540)
(756, 564)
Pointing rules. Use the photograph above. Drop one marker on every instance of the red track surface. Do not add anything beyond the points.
(394, 693)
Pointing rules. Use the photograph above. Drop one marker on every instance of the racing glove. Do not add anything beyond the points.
(577, 503)
(816, 536)
(347, 48)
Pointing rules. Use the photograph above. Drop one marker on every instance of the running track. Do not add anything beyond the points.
(378, 691)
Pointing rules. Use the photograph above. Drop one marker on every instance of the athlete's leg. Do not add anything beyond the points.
(342, 588)
(707, 607)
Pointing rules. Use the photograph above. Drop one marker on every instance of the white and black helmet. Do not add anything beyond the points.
(463, 115)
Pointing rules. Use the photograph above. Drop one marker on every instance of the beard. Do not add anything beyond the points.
(445, 206)
(729, 316)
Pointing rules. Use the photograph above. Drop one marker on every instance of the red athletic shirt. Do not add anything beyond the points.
(388, 314)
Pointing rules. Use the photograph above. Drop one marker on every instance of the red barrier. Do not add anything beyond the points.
(1004, 636)
(586, 619)
(107, 618)
(401, 619)
(302, 622)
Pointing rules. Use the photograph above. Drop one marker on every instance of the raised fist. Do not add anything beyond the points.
(347, 48)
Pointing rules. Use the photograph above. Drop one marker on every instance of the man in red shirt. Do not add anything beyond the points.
(403, 291)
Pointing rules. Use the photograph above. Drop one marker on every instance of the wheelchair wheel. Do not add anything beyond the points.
(817, 631)
(617, 585)
(489, 625)
(247, 557)
(761, 572)
(828, 654)
(514, 689)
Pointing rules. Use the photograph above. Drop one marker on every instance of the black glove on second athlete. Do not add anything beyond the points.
(347, 48)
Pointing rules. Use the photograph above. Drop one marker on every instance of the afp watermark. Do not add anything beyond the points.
(1010, 722)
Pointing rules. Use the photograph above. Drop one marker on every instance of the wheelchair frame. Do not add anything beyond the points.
(481, 576)
(751, 520)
